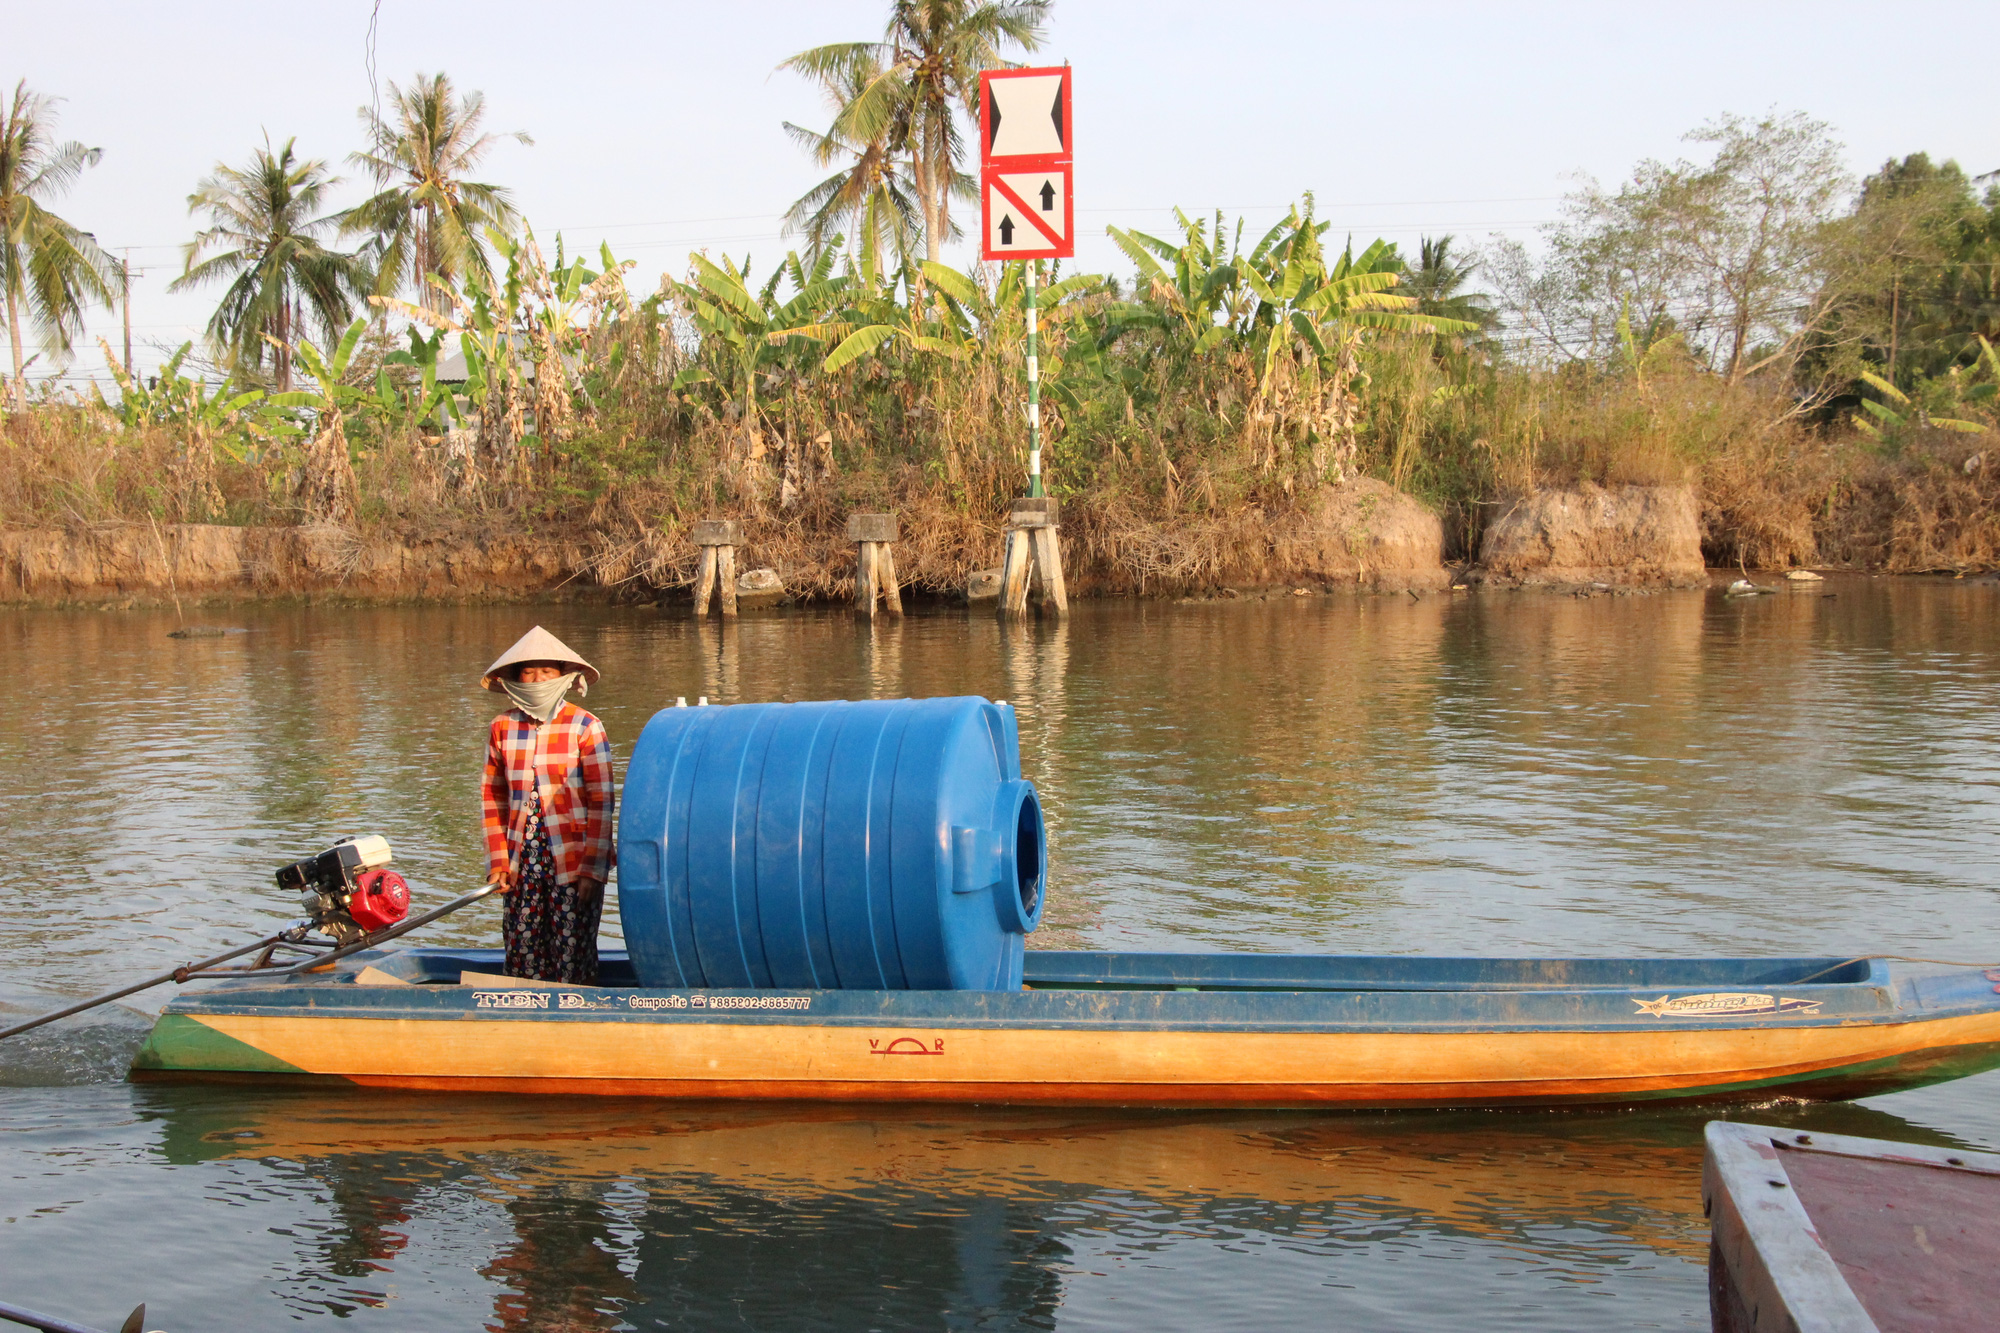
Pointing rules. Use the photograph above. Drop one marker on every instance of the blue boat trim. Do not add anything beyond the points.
(1237, 998)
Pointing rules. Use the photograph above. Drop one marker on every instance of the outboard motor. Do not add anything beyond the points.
(346, 891)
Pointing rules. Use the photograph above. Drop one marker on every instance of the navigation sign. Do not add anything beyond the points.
(1028, 214)
(1025, 130)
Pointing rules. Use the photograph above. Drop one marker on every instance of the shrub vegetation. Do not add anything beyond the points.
(1817, 360)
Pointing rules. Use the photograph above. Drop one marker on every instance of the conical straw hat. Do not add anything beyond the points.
(537, 645)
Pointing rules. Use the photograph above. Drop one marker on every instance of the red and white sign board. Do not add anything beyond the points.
(1026, 209)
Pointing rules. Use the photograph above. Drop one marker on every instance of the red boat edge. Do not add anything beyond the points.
(1823, 1233)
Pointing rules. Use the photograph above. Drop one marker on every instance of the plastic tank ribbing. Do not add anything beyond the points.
(878, 845)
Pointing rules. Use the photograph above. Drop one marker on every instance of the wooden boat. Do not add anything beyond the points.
(1833, 1234)
(1132, 1029)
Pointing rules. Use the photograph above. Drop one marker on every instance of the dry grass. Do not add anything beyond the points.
(1934, 507)
(1765, 503)
(1161, 501)
(1777, 491)
(59, 468)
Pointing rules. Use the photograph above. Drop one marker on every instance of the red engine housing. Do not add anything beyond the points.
(380, 899)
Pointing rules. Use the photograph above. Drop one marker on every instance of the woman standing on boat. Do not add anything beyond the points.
(548, 803)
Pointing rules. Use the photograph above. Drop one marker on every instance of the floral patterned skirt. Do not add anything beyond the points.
(550, 932)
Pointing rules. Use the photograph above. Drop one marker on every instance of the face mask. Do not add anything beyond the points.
(541, 699)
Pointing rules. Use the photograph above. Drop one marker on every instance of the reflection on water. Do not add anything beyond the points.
(600, 1214)
(1503, 774)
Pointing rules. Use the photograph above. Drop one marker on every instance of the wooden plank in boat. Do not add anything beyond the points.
(1822, 1232)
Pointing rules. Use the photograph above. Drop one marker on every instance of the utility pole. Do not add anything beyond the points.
(126, 270)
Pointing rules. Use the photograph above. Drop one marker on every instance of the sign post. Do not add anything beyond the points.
(1027, 212)
(1034, 389)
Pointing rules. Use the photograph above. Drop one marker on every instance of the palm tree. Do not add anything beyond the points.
(869, 196)
(908, 88)
(428, 217)
(1438, 284)
(263, 226)
(45, 263)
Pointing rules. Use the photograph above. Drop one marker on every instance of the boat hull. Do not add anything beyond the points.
(1093, 1045)
(1046, 1068)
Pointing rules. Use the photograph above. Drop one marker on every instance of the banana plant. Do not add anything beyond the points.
(572, 299)
(1894, 422)
(743, 332)
(1295, 288)
(1289, 322)
(427, 401)
(172, 399)
(1986, 391)
(882, 320)
(487, 327)
(205, 424)
(326, 482)
(1196, 285)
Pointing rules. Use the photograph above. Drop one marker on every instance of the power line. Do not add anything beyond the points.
(1116, 208)
(1320, 208)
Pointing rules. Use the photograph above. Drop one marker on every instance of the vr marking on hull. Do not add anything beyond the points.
(906, 1046)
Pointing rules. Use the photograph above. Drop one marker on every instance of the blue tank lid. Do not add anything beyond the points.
(875, 845)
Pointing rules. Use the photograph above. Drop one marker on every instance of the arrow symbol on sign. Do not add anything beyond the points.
(1048, 197)
(1007, 229)
(1008, 198)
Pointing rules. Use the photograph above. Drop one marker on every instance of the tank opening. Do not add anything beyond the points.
(1028, 854)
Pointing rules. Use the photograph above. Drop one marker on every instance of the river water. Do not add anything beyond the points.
(1490, 773)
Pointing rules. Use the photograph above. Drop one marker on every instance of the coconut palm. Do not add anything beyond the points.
(869, 196)
(427, 217)
(907, 89)
(46, 264)
(1438, 284)
(265, 239)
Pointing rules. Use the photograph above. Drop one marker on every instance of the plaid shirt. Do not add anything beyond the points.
(569, 759)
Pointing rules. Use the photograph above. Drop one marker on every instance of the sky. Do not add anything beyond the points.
(658, 126)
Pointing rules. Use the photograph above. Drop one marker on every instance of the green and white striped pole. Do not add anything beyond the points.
(1034, 389)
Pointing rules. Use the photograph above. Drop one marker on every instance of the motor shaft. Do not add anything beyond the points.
(175, 974)
(189, 971)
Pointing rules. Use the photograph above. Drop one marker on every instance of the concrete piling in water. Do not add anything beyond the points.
(874, 563)
(1034, 555)
(718, 539)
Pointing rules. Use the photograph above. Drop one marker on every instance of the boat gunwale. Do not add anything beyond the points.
(1149, 1010)
(1874, 972)
(1124, 970)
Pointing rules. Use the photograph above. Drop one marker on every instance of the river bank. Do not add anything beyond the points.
(1531, 480)
(1360, 536)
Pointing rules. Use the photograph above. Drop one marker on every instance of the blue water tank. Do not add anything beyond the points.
(880, 845)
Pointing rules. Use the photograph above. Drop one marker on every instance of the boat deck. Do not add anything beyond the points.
(1847, 1235)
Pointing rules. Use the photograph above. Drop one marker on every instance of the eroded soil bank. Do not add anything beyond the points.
(1361, 535)
(1631, 536)
(200, 561)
